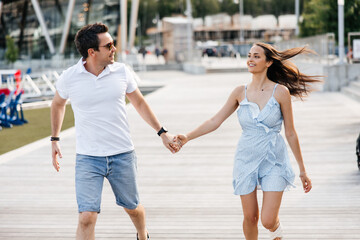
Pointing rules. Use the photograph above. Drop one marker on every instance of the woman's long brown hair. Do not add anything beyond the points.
(285, 72)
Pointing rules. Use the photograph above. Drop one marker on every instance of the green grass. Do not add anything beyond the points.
(37, 128)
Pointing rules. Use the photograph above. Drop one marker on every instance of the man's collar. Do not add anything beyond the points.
(80, 65)
(112, 67)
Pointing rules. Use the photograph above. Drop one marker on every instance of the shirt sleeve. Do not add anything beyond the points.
(61, 87)
(131, 82)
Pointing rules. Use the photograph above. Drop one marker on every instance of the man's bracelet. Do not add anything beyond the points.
(54, 139)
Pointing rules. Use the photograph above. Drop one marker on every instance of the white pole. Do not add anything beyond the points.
(157, 36)
(189, 29)
(66, 26)
(341, 30)
(241, 14)
(123, 17)
(297, 13)
(133, 20)
(43, 26)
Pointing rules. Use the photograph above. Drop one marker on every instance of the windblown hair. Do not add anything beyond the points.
(284, 72)
(87, 38)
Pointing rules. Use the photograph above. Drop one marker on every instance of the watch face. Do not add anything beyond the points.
(165, 130)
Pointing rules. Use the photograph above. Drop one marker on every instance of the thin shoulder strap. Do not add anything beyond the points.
(274, 89)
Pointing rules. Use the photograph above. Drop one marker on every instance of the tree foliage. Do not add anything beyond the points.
(274, 7)
(321, 16)
(12, 52)
(202, 8)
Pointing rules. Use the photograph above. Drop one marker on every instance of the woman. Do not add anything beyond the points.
(261, 156)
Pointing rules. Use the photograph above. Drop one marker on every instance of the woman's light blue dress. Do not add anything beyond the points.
(261, 157)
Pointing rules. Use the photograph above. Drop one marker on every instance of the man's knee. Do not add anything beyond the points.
(135, 212)
(87, 218)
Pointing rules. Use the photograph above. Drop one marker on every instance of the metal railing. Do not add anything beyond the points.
(34, 85)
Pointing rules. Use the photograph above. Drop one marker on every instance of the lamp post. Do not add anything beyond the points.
(297, 13)
(158, 29)
(341, 30)
(241, 14)
(189, 29)
(123, 24)
(133, 20)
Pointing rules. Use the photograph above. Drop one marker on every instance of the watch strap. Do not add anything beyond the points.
(54, 139)
(162, 130)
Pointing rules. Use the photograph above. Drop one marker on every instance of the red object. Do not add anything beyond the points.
(6, 91)
(17, 76)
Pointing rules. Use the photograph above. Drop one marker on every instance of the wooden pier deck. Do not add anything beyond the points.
(189, 195)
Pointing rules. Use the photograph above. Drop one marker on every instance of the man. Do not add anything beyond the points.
(97, 87)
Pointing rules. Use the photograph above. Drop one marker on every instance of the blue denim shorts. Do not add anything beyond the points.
(120, 170)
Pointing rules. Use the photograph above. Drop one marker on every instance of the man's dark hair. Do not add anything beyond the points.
(87, 37)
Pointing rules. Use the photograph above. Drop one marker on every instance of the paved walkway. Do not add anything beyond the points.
(189, 195)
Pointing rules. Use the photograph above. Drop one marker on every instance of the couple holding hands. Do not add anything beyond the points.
(97, 86)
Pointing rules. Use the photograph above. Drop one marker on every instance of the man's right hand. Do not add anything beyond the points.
(55, 149)
(169, 143)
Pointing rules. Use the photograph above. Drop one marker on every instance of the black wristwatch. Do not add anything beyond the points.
(162, 130)
(54, 139)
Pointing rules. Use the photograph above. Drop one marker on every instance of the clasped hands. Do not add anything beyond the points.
(174, 143)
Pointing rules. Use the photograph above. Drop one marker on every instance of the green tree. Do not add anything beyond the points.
(280, 7)
(253, 7)
(274, 7)
(321, 16)
(229, 7)
(146, 15)
(12, 51)
(202, 8)
(168, 8)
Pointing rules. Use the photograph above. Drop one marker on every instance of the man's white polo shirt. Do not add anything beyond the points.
(98, 103)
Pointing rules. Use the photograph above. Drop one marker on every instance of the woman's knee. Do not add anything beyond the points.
(87, 218)
(251, 219)
(269, 222)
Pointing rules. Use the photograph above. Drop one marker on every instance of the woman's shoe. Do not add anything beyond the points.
(278, 233)
(148, 237)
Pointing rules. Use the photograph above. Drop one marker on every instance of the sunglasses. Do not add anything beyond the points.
(109, 46)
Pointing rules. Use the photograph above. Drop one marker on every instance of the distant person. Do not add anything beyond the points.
(358, 151)
(165, 54)
(97, 87)
(349, 55)
(261, 157)
(157, 52)
(143, 51)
